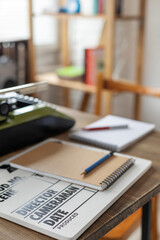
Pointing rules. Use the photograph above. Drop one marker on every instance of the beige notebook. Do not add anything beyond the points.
(67, 162)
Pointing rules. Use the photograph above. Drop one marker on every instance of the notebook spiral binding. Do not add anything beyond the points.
(116, 174)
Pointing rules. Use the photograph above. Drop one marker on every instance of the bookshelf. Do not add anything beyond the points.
(106, 40)
(70, 16)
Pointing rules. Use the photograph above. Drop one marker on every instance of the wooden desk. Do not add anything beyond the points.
(137, 196)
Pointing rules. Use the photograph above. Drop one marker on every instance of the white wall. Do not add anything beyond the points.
(124, 103)
(14, 22)
(13, 19)
(151, 106)
(45, 27)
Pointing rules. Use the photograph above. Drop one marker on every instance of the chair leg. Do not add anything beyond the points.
(85, 100)
(146, 221)
(154, 218)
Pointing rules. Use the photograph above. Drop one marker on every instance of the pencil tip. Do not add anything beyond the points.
(83, 173)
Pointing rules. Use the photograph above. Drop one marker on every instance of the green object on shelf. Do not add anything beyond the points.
(70, 72)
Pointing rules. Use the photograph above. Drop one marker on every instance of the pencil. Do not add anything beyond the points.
(94, 165)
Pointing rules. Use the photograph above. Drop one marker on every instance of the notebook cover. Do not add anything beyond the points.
(67, 162)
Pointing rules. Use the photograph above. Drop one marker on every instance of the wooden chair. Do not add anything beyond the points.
(126, 228)
(121, 86)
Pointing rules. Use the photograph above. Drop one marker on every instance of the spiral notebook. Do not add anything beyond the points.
(66, 161)
(113, 139)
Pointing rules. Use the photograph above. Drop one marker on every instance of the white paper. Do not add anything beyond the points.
(114, 139)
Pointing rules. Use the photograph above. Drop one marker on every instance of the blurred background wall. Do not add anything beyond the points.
(14, 24)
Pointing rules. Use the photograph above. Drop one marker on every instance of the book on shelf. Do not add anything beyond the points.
(58, 208)
(94, 64)
(89, 7)
(93, 7)
(101, 6)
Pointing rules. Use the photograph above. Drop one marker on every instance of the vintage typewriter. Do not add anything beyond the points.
(25, 120)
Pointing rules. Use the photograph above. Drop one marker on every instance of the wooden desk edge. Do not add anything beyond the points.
(121, 216)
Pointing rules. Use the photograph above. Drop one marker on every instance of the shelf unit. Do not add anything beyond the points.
(71, 16)
(107, 40)
(53, 79)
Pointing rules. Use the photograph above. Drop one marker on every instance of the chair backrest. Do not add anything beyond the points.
(121, 85)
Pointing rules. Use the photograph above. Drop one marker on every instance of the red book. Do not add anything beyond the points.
(93, 64)
(90, 67)
(101, 6)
